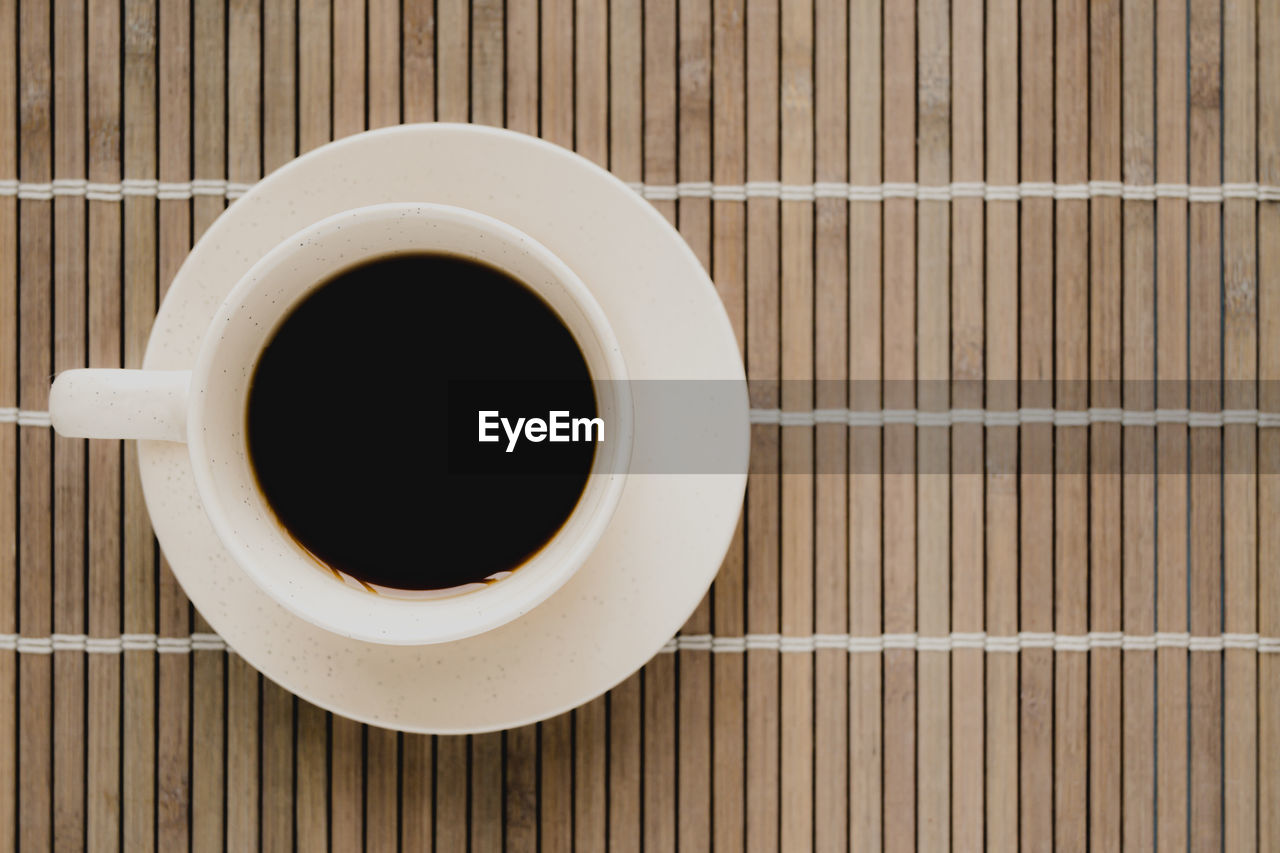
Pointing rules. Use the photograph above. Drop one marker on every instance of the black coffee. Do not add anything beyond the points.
(364, 415)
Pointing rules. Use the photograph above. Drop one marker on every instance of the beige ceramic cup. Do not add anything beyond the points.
(206, 408)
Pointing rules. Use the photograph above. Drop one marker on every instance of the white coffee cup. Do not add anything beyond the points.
(206, 408)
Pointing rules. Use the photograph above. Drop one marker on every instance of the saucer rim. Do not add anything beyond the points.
(729, 487)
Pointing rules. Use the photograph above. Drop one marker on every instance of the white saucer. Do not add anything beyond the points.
(670, 532)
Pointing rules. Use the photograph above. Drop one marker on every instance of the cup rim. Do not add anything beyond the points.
(552, 576)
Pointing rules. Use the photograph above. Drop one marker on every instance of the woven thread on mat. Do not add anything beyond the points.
(183, 190)
(734, 645)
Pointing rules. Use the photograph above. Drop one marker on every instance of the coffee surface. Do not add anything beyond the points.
(362, 422)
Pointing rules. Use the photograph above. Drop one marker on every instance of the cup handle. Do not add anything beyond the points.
(95, 403)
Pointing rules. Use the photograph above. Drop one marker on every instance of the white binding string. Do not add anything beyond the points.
(1057, 417)
(913, 417)
(978, 641)
(112, 645)
(782, 643)
(184, 190)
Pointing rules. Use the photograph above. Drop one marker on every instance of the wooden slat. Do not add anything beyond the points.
(451, 792)
(899, 509)
(1001, 482)
(762, 363)
(9, 348)
(591, 80)
(1105, 361)
(452, 26)
(315, 114)
(102, 767)
(242, 755)
(311, 780)
(865, 364)
(277, 767)
(349, 67)
(486, 62)
(1204, 98)
(140, 225)
(1240, 441)
(1070, 509)
(35, 345)
(384, 62)
(70, 317)
(486, 792)
(555, 70)
(1171, 439)
(1035, 367)
(520, 788)
(417, 49)
(933, 369)
(831, 486)
(416, 784)
(346, 784)
(382, 776)
(1268, 116)
(522, 65)
(796, 459)
(967, 371)
(555, 783)
(1137, 801)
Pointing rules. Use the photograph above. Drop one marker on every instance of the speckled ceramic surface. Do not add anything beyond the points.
(670, 531)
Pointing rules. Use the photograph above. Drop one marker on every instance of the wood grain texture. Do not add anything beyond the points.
(9, 470)
(1171, 439)
(1001, 510)
(35, 460)
(967, 368)
(311, 779)
(140, 249)
(830, 442)
(1070, 353)
(346, 784)
(1105, 485)
(866, 825)
(762, 361)
(70, 317)
(899, 495)
(417, 782)
(933, 337)
(1036, 485)
(1138, 479)
(1268, 166)
(382, 776)
(102, 764)
(1240, 441)
(1204, 98)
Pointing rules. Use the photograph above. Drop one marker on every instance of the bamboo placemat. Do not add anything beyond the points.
(1050, 647)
